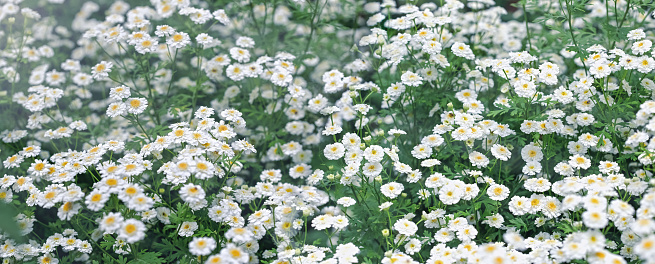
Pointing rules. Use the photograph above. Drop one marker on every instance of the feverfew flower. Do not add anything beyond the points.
(202, 246)
(636, 34)
(579, 162)
(421, 151)
(346, 201)
(494, 220)
(498, 192)
(332, 130)
(411, 79)
(119, 93)
(322, 222)
(385, 206)
(478, 159)
(641, 47)
(178, 40)
(136, 105)
(405, 227)
(501, 152)
(191, 193)
(101, 70)
(462, 50)
(392, 190)
(116, 109)
(187, 229)
(595, 219)
(132, 231)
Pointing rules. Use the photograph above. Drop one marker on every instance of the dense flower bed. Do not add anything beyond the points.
(327, 131)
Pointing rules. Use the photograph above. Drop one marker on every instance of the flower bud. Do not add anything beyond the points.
(504, 88)
(385, 233)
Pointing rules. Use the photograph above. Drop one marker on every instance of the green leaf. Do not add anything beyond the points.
(148, 257)
(175, 253)
(7, 222)
(519, 223)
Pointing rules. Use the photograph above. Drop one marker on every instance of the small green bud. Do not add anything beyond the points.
(378, 179)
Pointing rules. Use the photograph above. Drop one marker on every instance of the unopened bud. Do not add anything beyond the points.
(504, 88)
(385, 233)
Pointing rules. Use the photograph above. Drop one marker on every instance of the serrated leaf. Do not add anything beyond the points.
(147, 257)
